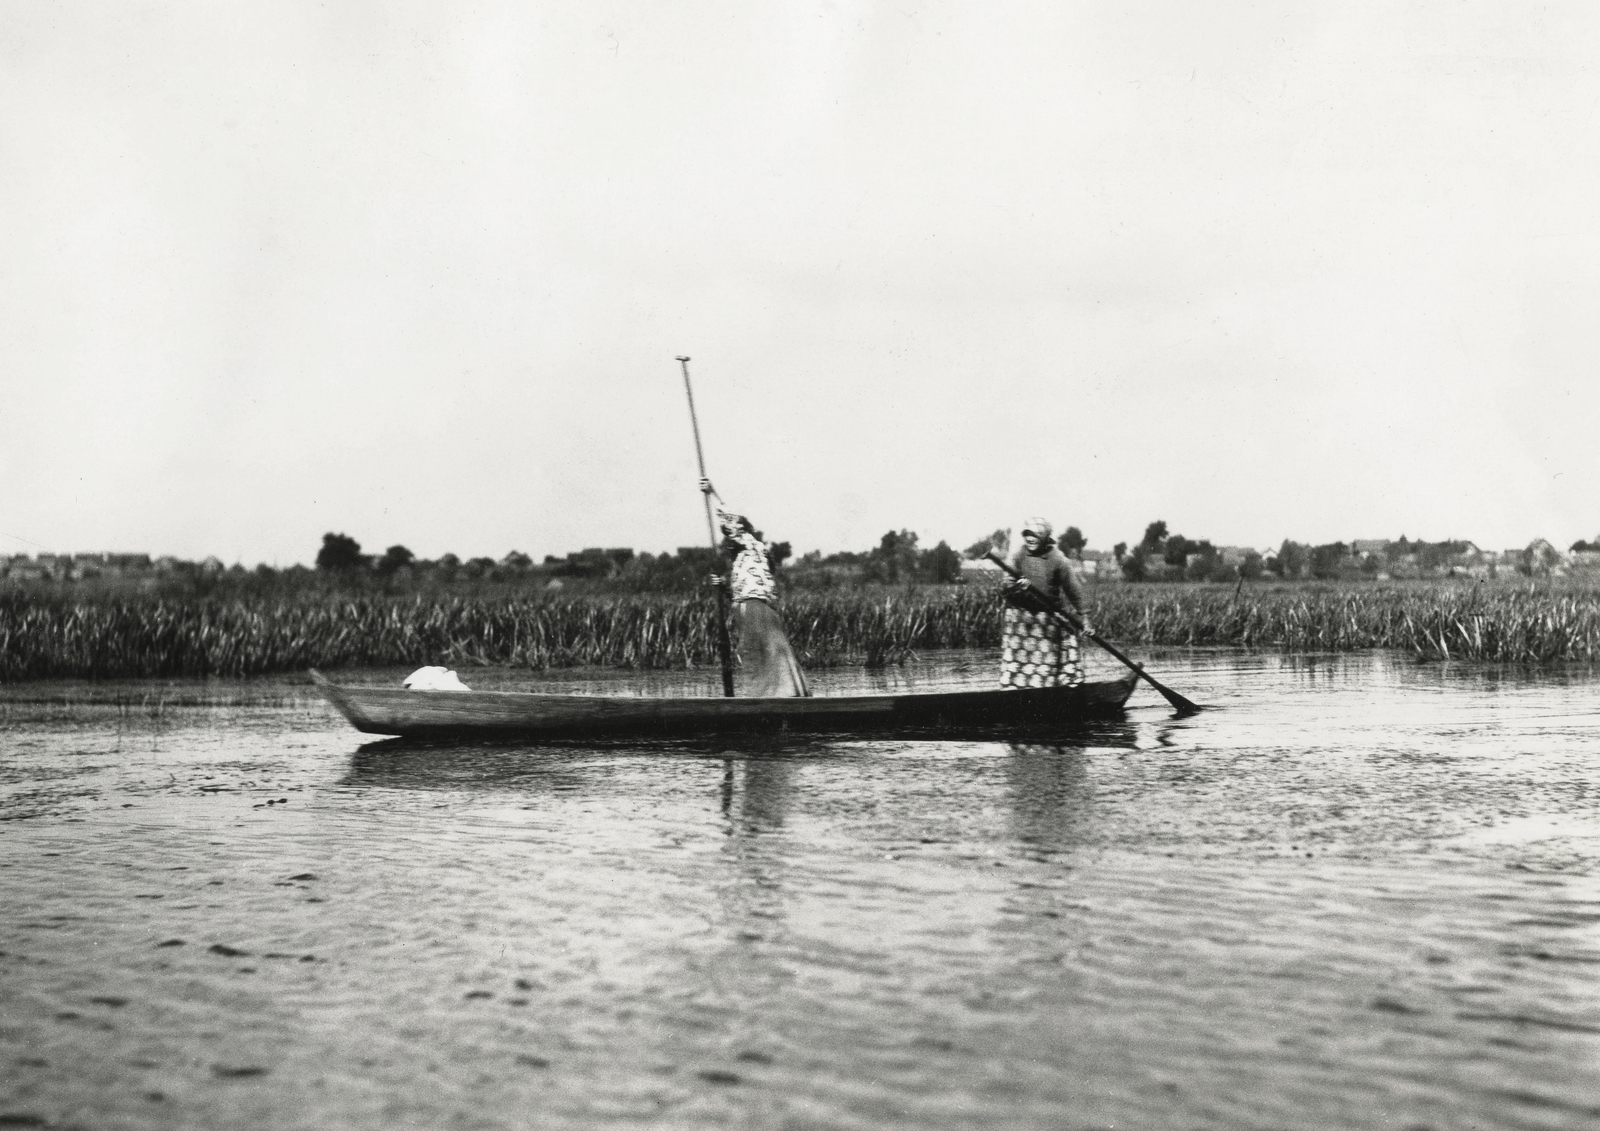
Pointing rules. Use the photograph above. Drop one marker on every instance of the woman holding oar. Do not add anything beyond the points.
(769, 664)
(1034, 598)
(1037, 650)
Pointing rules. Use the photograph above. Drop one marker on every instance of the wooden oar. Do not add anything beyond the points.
(711, 529)
(1178, 701)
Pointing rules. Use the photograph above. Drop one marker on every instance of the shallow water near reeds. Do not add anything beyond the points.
(1355, 892)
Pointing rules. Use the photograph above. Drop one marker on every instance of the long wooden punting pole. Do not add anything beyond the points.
(1178, 701)
(711, 529)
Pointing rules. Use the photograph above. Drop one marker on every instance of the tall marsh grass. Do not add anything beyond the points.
(60, 638)
(138, 638)
(1508, 622)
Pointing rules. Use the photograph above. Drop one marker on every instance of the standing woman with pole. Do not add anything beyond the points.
(771, 670)
(764, 652)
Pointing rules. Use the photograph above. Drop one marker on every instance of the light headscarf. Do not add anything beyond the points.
(1042, 528)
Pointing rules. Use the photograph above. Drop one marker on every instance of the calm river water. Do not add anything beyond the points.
(1355, 893)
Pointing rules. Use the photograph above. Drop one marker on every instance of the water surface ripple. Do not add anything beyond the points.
(1355, 893)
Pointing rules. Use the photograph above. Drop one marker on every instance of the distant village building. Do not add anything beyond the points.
(23, 568)
(121, 565)
(74, 567)
(1098, 565)
(1467, 561)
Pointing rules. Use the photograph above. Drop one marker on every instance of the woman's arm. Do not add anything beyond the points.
(1016, 587)
(723, 509)
(1071, 590)
(726, 514)
(1072, 595)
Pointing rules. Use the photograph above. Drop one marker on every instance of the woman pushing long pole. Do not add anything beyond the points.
(723, 646)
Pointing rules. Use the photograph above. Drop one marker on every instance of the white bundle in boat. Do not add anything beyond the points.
(435, 679)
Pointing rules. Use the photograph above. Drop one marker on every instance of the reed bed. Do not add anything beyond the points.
(1507, 623)
(143, 638)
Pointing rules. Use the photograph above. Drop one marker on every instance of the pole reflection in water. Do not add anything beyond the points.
(750, 888)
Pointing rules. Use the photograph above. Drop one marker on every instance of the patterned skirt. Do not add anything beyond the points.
(1037, 651)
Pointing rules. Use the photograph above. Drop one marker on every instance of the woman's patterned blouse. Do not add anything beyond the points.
(752, 573)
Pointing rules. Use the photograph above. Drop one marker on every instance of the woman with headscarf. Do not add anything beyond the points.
(768, 663)
(1037, 649)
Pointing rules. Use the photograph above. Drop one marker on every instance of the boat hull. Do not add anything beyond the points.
(437, 714)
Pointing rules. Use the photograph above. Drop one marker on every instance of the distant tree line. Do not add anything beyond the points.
(897, 559)
(1160, 555)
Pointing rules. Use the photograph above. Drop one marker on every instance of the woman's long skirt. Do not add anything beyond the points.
(1036, 651)
(768, 663)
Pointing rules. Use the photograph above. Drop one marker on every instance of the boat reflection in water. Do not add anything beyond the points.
(826, 856)
(1040, 778)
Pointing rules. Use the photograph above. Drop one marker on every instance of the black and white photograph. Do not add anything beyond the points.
(874, 565)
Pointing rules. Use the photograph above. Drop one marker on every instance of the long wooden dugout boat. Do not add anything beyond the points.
(468, 714)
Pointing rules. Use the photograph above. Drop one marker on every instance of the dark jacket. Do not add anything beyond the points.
(1051, 576)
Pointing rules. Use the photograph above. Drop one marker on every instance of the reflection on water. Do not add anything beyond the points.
(1355, 892)
(1051, 796)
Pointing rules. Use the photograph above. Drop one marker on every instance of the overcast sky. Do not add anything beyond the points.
(417, 272)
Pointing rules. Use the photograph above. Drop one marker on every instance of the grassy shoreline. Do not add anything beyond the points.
(148, 637)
